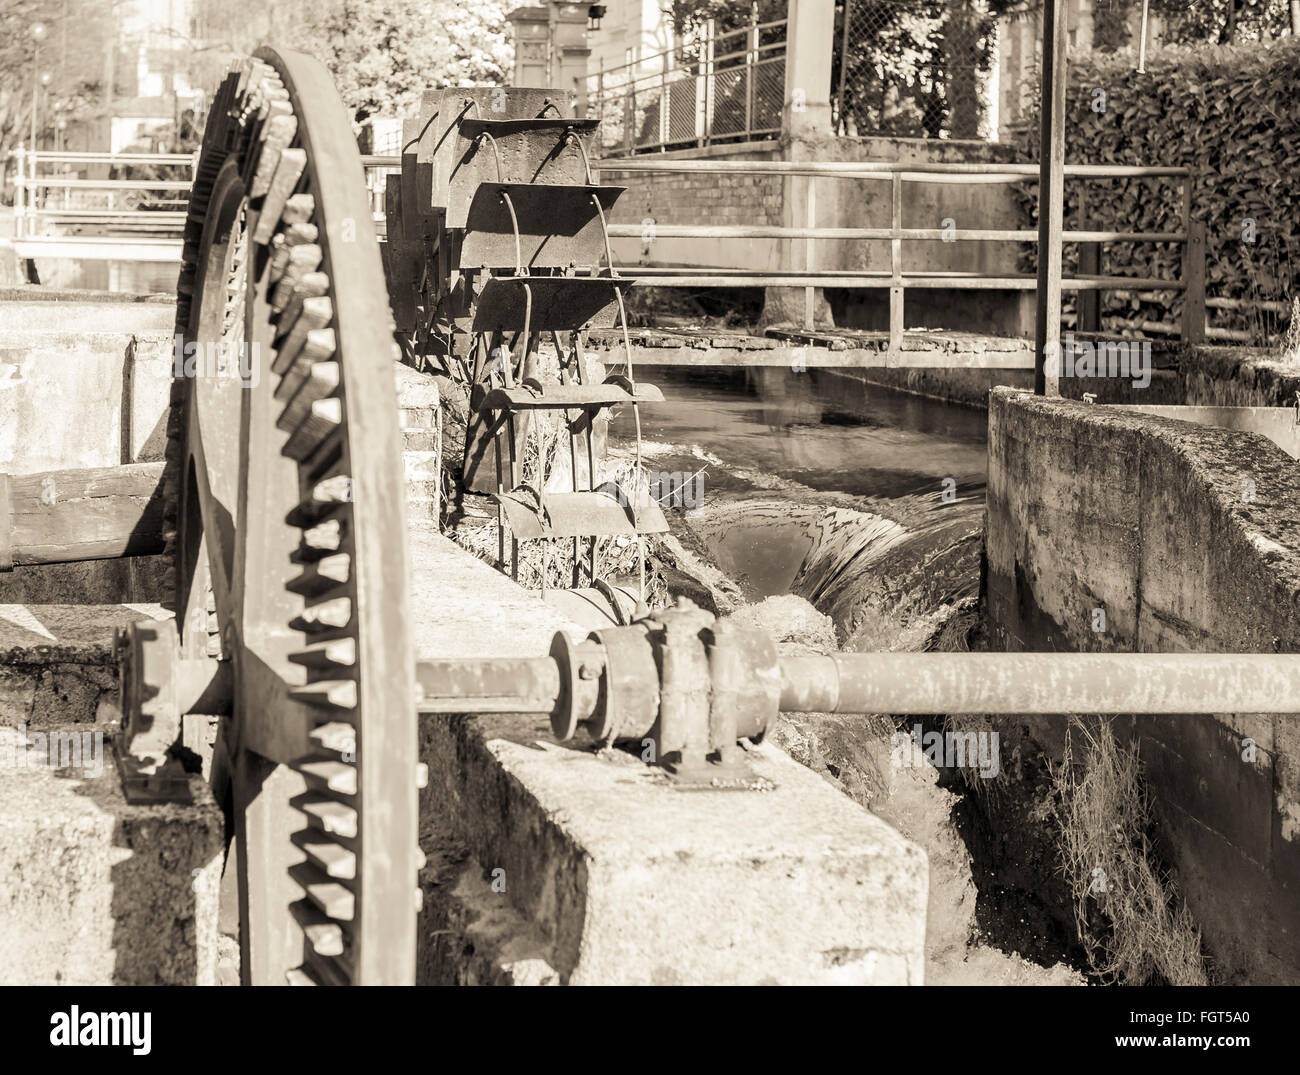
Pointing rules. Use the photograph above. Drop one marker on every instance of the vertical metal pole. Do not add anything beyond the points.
(1193, 271)
(751, 69)
(896, 266)
(810, 253)
(841, 124)
(665, 106)
(1142, 43)
(1051, 191)
(20, 189)
(1088, 303)
(708, 84)
(600, 107)
(36, 88)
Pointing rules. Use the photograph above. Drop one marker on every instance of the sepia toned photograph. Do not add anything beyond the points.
(653, 493)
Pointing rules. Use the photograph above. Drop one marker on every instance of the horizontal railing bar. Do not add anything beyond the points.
(177, 159)
(108, 184)
(765, 231)
(868, 170)
(100, 248)
(935, 280)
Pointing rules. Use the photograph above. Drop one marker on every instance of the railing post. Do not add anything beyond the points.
(751, 71)
(20, 189)
(600, 108)
(1194, 283)
(841, 124)
(707, 126)
(1088, 303)
(1193, 328)
(810, 255)
(1051, 189)
(896, 266)
(665, 106)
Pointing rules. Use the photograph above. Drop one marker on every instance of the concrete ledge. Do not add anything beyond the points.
(602, 872)
(96, 892)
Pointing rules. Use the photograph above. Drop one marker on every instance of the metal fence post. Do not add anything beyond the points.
(751, 71)
(1088, 303)
(810, 254)
(708, 94)
(841, 124)
(20, 191)
(1051, 189)
(1194, 282)
(896, 265)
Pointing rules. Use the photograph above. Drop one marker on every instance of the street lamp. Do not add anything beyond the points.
(38, 35)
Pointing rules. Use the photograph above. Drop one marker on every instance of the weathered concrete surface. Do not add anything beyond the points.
(1189, 538)
(1237, 377)
(82, 396)
(86, 380)
(57, 665)
(603, 872)
(96, 892)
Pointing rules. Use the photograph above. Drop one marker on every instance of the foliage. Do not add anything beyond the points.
(73, 58)
(1230, 114)
(914, 68)
(385, 53)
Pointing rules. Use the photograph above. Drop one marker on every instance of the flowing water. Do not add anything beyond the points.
(864, 500)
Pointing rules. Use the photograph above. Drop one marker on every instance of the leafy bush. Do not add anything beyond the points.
(1232, 115)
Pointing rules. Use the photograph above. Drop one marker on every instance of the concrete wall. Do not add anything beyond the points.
(87, 378)
(1145, 518)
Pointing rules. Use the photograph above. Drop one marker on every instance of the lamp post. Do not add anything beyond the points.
(46, 79)
(38, 35)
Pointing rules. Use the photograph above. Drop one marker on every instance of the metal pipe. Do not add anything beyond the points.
(908, 683)
(487, 685)
(931, 683)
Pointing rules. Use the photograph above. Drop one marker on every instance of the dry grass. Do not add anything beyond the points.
(1130, 918)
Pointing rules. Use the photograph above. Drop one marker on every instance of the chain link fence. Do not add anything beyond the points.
(915, 68)
(722, 88)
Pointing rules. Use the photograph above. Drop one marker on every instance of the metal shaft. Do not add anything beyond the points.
(496, 685)
(1042, 683)
(908, 683)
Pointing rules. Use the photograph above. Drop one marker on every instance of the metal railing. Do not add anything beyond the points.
(727, 87)
(897, 279)
(61, 213)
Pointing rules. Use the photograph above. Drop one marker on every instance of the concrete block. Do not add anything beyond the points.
(626, 878)
(96, 892)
